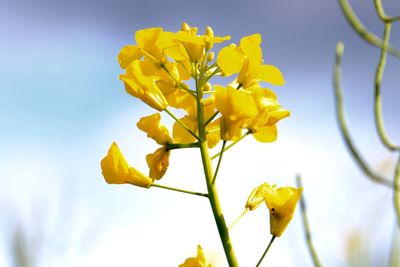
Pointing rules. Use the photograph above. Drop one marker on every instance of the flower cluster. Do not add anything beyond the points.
(172, 71)
(157, 69)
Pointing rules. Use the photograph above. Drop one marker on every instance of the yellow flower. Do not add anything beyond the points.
(269, 113)
(246, 60)
(158, 162)
(151, 43)
(198, 261)
(151, 125)
(143, 87)
(116, 170)
(281, 203)
(237, 108)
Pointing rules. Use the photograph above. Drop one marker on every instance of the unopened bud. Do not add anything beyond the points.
(210, 56)
(185, 27)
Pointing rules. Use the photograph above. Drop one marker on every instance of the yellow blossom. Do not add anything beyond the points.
(198, 261)
(269, 113)
(151, 43)
(281, 203)
(158, 162)
(237, 108)
(116, 170)
(143, 87)
(246, 59)
(151, 125)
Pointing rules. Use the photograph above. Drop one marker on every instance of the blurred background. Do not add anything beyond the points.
(62, 105)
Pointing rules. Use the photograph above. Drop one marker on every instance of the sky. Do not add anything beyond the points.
(62, 105)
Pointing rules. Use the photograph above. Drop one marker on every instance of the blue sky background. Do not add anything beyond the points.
(62, 105)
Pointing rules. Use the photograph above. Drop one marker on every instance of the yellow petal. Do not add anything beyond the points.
(128, 54)
(271, 74)
(213, 133)
(180, 134)
(250, 45)
(277, 115)
(266, 134)
(151, 125)
(147, 37)
(143, 87)
(235, 104)
(116, 170)
(230, 60)
(158, 163)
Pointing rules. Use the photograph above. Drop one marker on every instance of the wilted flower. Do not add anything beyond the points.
(281, 203)
(116, 170)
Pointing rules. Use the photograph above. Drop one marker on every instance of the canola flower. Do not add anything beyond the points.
(159, 69)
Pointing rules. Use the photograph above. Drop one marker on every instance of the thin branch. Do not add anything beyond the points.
(265, 252)
(180, 84)
(378, 98)
(357, 25)
(231, 144)
(219, 162)
(381, 13)
(180, 190)
(181, 123)
(396, 193)
(179, 146)
(343, 125)
(306, 226)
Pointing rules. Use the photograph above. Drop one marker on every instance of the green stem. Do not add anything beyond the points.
(306, 226)
(361, 30)
(231, 145)
(219, 162)
(265, 252)
(179, 146)
(343, 125)
(381, 13)
(211, 118)
(181, 123)
(211, 188)
(180, 190)
(378, 98)
(396, 191)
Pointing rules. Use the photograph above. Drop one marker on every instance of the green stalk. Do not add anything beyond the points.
(380, 126)
(180, 190)
(211, 188)
(266, 251)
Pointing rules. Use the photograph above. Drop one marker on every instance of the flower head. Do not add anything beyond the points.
(198, 261)
(116, 170)
(281, 203)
